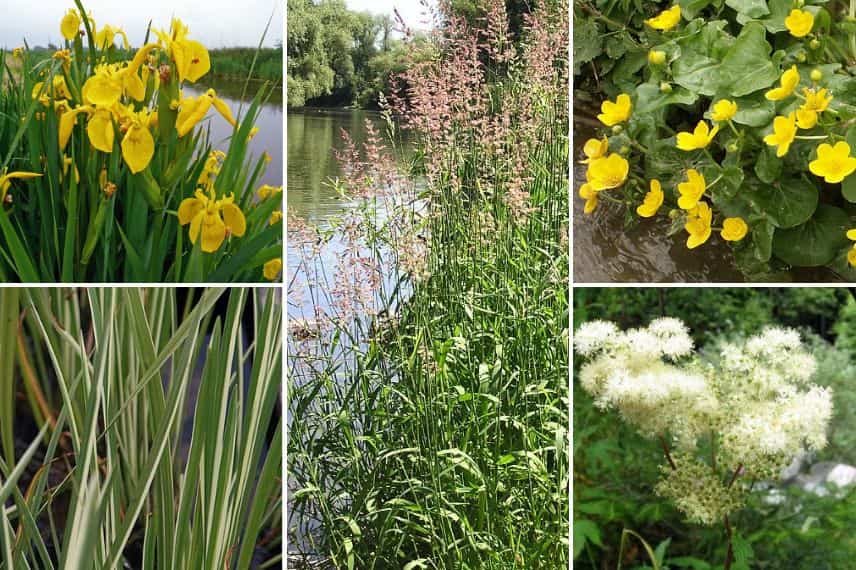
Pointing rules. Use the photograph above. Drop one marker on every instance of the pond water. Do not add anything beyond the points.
(270, 135)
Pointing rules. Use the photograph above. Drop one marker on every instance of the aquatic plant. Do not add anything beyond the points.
(741, 113)
(109, 146)
(428, 365)
(156, 438)
(723, 425)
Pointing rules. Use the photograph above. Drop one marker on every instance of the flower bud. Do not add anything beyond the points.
(814, 44)
(665, 87)
(674, 214)
(616, 129)
(801, 57)
(656, 57)
(816, 75)
(733, 147)
(624, 150)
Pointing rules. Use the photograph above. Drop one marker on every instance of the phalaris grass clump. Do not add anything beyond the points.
(140, 429)
(724, 423)
(428, 349)
(731, 121)
(108, 173)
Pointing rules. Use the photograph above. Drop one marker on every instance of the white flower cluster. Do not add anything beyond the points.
(754, 404)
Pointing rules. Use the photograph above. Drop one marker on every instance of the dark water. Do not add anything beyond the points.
(314, 137)
(605, 252)
(270, 135)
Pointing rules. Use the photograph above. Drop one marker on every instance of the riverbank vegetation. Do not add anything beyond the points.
(109, 174)
(725, 121)
(140, 428)
(428, 364)
(240, 63)
(797, 521)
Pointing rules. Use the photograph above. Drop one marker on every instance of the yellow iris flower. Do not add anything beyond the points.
(191, 58)
(211, 218)
(692, 190)
(784, 132)
(275, 217)
(69, 26)
(614, 113)
(833, 163)
(607, 172)
(138, 144)
(595, 148)
(194, 109)
(6, 180)
(106, 36)
(272, 268)
(733, 229)
(100, 130)
(67, 121)
(266, 190)
(699, 138)
(666, 20)
(698, 225)
(788, 82)
(723, 110)
(799, 23)
(653, 201)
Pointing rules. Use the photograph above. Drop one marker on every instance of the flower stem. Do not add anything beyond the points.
(668, 455)
(729, 555)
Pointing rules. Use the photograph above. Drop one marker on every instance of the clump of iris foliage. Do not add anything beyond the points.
(428, 363)
(104, 156)
(726, 120)
(140, 429)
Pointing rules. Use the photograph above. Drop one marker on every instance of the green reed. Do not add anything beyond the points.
(160, 446)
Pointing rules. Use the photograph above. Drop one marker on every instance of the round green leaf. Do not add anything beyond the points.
(787, 203)
(815, 242)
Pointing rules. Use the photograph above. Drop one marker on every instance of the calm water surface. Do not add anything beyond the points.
(270, 135)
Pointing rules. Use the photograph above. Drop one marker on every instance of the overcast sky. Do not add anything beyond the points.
(411, 10)
(216, 23)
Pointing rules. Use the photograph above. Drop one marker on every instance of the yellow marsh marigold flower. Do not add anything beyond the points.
(588, 194)
(734, 229)
(692, 190)
(69, 26)
(666, 20)
(607, 172)
(698, 225)
(723, 110)
(191, 58)
(699, 138)
(816, 102)
(851, 255)
(595, 148)
(788, 82)
(194, 109)
(272, 269)
(211, 218)
(614, 113)
(799, 23)
(6, 178)
(653, 201)
(784, 131)
(833, 163)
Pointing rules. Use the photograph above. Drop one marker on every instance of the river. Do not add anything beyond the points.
(270, 134)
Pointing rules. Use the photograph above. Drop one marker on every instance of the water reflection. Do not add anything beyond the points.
(269, 137)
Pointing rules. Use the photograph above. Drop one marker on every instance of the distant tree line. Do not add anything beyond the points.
(340, 57)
